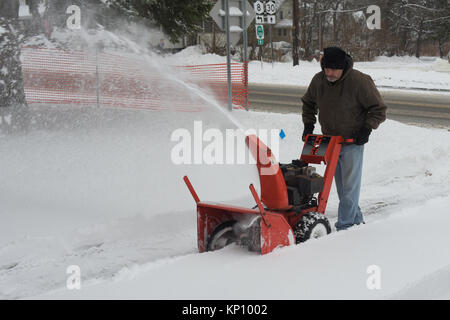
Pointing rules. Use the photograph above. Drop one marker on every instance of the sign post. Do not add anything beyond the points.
(271, 9)
(233, 17)
(245, 44)
(227, 27)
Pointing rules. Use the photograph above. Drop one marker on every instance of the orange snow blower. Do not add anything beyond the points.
(288, 212)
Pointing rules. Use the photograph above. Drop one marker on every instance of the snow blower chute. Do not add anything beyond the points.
(288, 211)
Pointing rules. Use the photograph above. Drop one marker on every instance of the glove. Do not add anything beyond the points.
(309, 128)
(362, 136)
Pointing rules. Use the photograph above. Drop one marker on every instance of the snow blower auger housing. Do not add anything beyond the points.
(288, 211)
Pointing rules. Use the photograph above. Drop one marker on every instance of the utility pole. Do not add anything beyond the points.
(227, 26)
(271, 43)
(233, 23)
(214, 37)
(295, 32)
(245, 44)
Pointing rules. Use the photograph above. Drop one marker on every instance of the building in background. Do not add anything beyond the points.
(283, 27)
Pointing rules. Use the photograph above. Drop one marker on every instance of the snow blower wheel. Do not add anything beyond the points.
(312, 225)
(222, 236)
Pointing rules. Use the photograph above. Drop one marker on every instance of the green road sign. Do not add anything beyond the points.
(260, 42)
(259, 32)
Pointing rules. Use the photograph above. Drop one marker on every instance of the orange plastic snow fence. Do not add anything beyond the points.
(99, 79)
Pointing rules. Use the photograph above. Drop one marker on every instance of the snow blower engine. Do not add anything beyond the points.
(290, 209)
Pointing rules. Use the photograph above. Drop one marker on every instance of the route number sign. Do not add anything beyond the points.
(259, 7)
(271, 7)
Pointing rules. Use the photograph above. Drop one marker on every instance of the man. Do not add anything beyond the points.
(13, 106)
(349, 105)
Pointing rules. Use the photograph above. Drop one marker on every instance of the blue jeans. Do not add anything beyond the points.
(348, 184)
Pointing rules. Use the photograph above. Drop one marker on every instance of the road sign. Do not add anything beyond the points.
(260, 42)
(265, 12)
(265, 19)
(271, 19)
(259, 7)
(271, 7)
(236, 17)
(259, 32)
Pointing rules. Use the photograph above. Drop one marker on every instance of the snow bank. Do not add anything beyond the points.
(404, 72)
(399, 60)
(193, 56)
(404, 248)
(407, 72)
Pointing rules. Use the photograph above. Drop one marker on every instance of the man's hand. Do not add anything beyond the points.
(362, 136)
(309, 128)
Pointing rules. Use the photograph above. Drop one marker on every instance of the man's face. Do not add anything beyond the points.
(333, 74)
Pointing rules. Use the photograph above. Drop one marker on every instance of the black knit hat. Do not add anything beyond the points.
(333, 58)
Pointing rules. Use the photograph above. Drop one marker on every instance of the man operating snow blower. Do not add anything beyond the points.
(348, 105)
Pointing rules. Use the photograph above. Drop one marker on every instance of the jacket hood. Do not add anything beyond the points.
(348, 65)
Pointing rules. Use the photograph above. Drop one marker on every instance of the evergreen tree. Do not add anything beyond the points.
(177, 18)
(94, 13)
(13, 105)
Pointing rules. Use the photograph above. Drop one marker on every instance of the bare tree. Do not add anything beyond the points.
(420, 20)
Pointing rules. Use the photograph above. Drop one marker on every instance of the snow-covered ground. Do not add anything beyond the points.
(100, 191)
(405, 199)
(403, 72)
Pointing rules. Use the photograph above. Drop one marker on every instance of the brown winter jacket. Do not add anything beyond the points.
(345, 106)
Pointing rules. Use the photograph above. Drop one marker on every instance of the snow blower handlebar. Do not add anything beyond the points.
(252, 190)
(319, 149)
(191, 189)
(348, 141)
